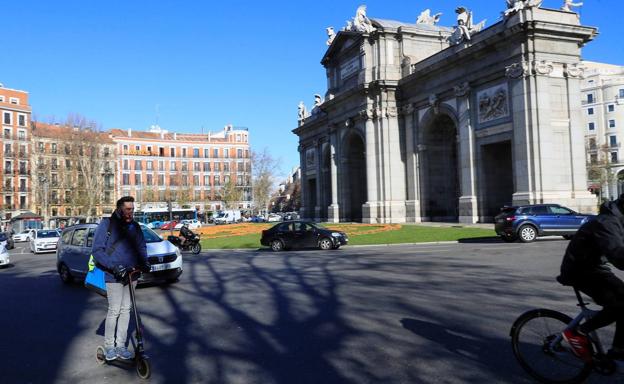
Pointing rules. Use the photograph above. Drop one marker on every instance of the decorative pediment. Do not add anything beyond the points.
(343, 41)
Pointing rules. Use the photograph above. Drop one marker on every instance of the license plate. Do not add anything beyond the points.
(161, 267)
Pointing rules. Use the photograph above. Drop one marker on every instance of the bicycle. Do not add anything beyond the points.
(537, 335)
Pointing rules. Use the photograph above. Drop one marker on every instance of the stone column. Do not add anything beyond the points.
(304, 182)
(370, 209)
(333, 211)
(412, 204)
(319, 174)
(394, 178)
(468, 199)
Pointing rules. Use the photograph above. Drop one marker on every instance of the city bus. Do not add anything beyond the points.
(149, 215)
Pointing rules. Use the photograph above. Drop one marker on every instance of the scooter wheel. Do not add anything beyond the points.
(100, 355)
(196, 248)
(143, 368)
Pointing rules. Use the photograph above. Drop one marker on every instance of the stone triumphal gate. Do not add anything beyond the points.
(423, 123)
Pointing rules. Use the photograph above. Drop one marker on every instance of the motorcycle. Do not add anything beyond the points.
(191, 244)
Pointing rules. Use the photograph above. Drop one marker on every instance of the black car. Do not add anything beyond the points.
(5, 237)
(302, 234)
(527, 222)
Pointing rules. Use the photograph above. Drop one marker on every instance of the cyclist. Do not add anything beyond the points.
(598, 242)
(185, 234)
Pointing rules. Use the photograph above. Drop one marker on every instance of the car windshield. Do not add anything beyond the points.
(47, 234)
(150, 236)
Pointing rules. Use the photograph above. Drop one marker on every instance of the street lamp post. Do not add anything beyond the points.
(44, 181)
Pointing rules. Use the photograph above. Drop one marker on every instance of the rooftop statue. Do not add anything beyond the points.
(465, 29)
(331, 35)
(514, 6)
(302, 113)
(318, 100)
(568, 4)
(426, 18)
(360, 23)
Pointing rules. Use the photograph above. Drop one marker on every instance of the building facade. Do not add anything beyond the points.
(429, 123)
(74, 172)
(603, 122)
(192, 169)
(15, 171)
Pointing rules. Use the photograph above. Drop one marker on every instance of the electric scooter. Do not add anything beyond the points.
(141, 360)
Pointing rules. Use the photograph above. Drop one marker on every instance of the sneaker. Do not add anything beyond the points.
(616, 353)
(124, 354)
(110, 354)
(579, 343)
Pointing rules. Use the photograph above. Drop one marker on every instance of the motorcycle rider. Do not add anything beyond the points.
(185, 234)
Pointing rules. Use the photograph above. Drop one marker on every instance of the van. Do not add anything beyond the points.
(228, 217)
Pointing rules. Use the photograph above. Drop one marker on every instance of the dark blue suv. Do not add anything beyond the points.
(527, 222)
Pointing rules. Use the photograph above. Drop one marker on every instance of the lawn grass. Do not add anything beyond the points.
(406, 234)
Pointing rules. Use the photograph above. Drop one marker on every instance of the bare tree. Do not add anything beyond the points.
(599, 169)
(264, 170)
(231, 194)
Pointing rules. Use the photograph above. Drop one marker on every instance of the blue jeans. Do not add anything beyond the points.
(118, 316)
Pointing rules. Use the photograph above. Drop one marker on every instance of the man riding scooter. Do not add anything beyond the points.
(185, 234)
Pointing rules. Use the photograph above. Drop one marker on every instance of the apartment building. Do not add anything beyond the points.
(15, 169)
(73, 171)
(157, 166)
(603, 112)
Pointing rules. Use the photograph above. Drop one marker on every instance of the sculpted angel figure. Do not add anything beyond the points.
(568, 4)
(426, 18)
(361, 23)
(302, 113)
(331, 35)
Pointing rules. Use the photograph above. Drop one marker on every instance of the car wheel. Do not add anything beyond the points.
(527, 233)
(508, 239)
(65, 275)
(325, 244)
(277, 245)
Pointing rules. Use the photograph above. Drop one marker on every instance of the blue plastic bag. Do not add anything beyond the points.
(95, 278)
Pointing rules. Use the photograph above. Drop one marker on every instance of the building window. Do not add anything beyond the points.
(40, 147)
(137, 148)
(173, 180)
(239, 153)
(215, 152)
(137, 165)
(125, 164)
(21, 120)
(196, 167)
(216, 181)
(611, 123)
(149, 165)
(161, 179)
(196, 180)
(206, 152)
(125, 179)
(14, 100)
(21, 135)
(590, 111)
(590, 98)
(226, 167)
(6, 118)
(150, 179)
(161, 165)
(612, 141)
(183, 152)
(137, 179)
(226, 153)
(125, 149)
(172, 152)
(621, 93)
(611, 108)
(591, 126)
(206, 167)
(67, 164)
(54, 149)
(614, 157)
(184, 166)
(206, 180)
(195, 152)
(239, 180)
(172, 166)
(7, 133)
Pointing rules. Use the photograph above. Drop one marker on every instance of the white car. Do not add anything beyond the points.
(25, 235)
(274, 218)
(44, 240)
(192, 224)
(4, 257)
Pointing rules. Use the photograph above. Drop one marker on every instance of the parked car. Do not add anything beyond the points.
(291, 216)
(44, 240)
(257, 219)
(5, 259)
(6, 240)
(527, 222)
(75, 247)
(169, 225)
(25, 235)
(302, 234)
(192, 224)
(273, 217)
(156, 224)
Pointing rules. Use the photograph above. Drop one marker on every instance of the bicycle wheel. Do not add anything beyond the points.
(531, 338)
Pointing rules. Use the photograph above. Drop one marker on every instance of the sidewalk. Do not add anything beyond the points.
(456, 225)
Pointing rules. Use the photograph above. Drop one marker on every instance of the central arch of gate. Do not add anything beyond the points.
(416, 126)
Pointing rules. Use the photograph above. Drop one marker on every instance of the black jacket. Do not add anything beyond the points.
(184, 231)
(597, 242)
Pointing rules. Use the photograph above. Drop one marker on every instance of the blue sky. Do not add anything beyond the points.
(207, 64)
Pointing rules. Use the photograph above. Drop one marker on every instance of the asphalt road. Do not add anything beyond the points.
(397, 314)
